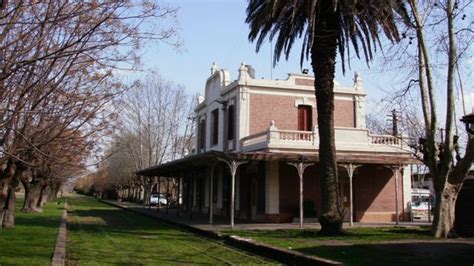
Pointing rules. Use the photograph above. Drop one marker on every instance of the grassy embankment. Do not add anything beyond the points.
(102, 234)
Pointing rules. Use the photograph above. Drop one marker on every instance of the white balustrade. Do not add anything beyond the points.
(293, 135)
(346, 138)
(384, 140)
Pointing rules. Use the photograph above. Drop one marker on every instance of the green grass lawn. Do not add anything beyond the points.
(102, 234)
(371, 246)
(32, 240)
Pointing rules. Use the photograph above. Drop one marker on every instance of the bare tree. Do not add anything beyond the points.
(152, 128)
(56, 66)
(447, 166)
(433, 52)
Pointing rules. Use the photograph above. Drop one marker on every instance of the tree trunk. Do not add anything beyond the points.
(140, 194)
(32, 196)
(129, 194)
(44, 196)
(444, 214)
(9, 208)
(147, 185)
(323, 58)
(53, 194)
(134, 194)
(9, 212)
(5, 180)
(4, 185)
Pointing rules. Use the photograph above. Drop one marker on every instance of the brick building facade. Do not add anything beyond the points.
(253, 134)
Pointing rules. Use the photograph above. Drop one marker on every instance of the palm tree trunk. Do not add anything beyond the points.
(323, 59)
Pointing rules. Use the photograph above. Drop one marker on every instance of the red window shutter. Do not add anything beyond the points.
(305, 118)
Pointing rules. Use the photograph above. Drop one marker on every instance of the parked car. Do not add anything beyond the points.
(158, 198)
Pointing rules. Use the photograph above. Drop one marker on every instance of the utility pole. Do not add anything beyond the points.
(394, 123)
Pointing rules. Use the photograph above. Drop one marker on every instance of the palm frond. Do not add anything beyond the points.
(361, 24)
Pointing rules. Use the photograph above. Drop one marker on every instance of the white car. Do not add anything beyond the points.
(155, 198)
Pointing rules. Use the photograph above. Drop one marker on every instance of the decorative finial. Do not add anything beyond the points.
(214, 68)
(358, 83)
(200, 98)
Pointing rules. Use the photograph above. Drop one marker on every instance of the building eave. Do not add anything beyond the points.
(177, 167)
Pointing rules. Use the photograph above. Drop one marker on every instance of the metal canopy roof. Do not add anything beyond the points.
(177, 167)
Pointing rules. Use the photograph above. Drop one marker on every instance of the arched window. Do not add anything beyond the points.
(231, 122)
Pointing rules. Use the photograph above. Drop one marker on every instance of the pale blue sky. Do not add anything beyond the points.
(215, 31)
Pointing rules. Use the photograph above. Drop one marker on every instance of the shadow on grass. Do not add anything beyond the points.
(36, 220)
(121, 223)
(422, 232)
(353, 234)
(419, 253)
(115, 217)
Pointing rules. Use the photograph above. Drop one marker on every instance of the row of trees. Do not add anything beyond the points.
(56, 87)
(330, 28)
(154, 125)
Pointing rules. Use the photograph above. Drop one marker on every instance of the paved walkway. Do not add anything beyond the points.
(201, 221)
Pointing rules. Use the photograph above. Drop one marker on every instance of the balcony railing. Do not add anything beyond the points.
(346, 139)
(385, 140)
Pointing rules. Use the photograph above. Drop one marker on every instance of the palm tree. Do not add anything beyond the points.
(327, 26)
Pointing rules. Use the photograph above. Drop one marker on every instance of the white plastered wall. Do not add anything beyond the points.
(219, 188)
(243, 122)
(272, 188)
(206, 190)
(406, 188)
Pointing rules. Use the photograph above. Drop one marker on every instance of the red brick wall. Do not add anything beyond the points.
(264, 108)
(374, 194)
(289, 190)
(304, 82)
(344, 114)
(373, 189)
